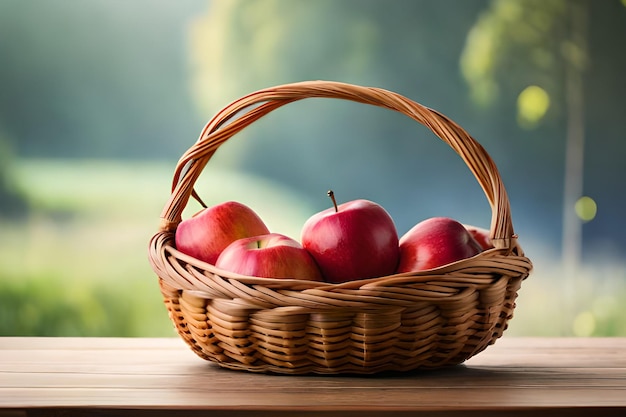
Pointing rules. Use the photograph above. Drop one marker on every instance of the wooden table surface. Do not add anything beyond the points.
(162, 377)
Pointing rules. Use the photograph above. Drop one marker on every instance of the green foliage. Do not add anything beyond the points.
(12, 202)
(78, 265)
(516, 43)
(52, 305)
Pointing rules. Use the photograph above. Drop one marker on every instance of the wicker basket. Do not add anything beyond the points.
(420, 320)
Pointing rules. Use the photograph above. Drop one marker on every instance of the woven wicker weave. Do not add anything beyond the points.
(403, 322)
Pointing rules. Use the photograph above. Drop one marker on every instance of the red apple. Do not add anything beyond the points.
(209, 231)
(271, 256)
(354, 240)
(482, 236)
(435, 242)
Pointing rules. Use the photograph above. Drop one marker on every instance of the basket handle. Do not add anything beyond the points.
(246, 110)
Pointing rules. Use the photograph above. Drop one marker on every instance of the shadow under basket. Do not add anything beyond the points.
(421, 320)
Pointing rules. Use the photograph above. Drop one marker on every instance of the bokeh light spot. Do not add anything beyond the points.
(586, 208)
(532, 104)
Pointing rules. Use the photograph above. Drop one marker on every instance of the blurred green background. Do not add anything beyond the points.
(99, 98)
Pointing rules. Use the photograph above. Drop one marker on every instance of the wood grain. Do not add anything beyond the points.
(147, 376)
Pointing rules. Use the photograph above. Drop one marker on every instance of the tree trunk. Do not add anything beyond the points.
(575, 140)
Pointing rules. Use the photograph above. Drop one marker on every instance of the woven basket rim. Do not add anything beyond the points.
(300, 284)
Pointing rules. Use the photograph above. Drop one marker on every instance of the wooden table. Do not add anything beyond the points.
(162, 377)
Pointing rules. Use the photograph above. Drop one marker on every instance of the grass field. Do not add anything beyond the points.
(77, 264)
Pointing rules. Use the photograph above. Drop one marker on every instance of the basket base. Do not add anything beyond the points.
(293, 340)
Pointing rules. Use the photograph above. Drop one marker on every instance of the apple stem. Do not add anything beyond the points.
(331, 194)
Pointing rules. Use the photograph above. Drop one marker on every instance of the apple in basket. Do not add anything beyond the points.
(272, 255)
(481, 235)
(209, 231)
(354, 240)
(435, 242)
